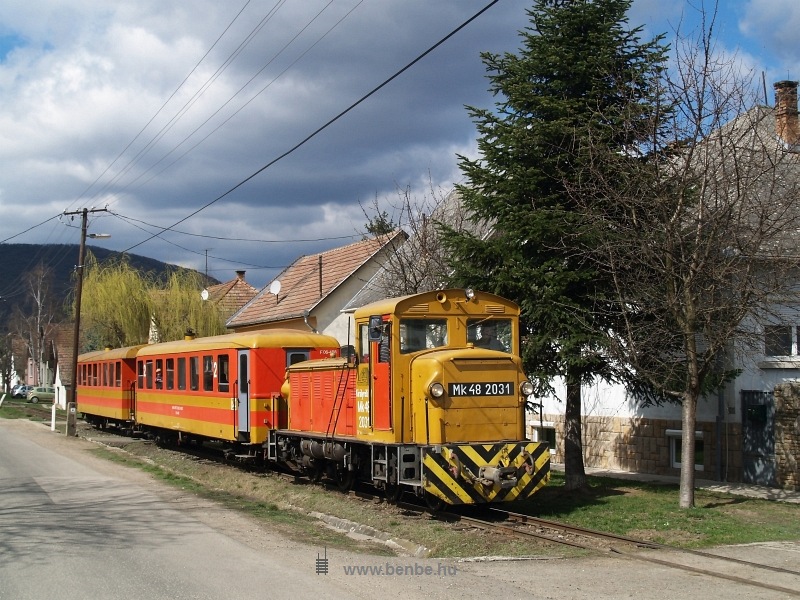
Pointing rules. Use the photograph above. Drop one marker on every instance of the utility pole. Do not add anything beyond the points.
(73, 396)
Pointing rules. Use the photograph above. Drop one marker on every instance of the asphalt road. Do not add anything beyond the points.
(76, 527)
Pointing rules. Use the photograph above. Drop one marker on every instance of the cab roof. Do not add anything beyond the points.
(481, 303)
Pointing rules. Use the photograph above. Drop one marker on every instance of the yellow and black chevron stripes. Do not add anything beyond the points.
(457, 474)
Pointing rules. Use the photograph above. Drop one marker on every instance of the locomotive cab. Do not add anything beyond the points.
(442, 371)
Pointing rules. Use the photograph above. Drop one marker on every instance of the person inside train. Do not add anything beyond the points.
(489, 339)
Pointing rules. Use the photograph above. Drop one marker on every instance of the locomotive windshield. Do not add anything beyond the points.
(492, 334)
(422, 334)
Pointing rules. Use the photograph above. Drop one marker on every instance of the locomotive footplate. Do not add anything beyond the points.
(481, 473)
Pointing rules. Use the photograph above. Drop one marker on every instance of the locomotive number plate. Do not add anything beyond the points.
(481, 389)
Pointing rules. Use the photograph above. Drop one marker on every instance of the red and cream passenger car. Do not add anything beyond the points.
(225, 387)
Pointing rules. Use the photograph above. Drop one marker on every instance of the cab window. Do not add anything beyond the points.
(492, 334)
(422, 334)
(363, 343)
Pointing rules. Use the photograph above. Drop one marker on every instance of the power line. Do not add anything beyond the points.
(158, 112)
(327, 124)
(239, 91)
(191, 101)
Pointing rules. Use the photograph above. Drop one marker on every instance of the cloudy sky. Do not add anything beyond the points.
(157, 108)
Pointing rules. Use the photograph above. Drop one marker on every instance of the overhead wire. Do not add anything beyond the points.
(191, 101)
(232, 239)
(204, 253)
(37, 256)
(240, 90)
(299, 144)
(324, 126)
(163, 106)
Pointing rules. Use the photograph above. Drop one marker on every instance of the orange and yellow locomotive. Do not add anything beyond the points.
(432, 402)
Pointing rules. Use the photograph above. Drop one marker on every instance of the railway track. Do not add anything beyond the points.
(749, 573)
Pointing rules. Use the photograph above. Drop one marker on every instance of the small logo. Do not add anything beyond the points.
(322, 563)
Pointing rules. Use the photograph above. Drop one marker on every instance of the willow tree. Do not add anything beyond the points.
(178, 308)
(581, 69)
(122, 306)
(116, 304)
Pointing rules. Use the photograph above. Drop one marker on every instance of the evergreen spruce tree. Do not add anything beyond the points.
(582, 78)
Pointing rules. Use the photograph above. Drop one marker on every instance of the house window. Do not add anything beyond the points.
(546, 435)
(778, 340)
(675, 449)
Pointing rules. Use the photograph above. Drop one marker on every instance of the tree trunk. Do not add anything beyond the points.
(574, 473)
(688, 423)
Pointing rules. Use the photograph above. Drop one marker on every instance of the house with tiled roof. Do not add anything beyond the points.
(311, 292)
(231, 295)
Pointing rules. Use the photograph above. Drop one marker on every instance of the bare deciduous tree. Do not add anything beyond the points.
(35, 321)
(421, 263)
(700, 238)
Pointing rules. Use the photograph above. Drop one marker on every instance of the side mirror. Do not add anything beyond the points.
(375, 328)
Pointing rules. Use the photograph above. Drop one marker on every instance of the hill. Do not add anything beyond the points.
(16, 260)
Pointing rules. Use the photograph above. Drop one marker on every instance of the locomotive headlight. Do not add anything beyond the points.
(526, 388)
(436, 390)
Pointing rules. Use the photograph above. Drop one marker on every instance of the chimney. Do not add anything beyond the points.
(786, 119)
(240, 275)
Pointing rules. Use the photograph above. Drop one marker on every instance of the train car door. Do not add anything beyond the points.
(381, 395)
(243, 398)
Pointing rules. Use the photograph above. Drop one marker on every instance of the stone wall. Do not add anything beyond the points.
(643, 445)
(787, 435)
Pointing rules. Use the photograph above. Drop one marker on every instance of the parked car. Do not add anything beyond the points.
(20, 390)
(41, 392)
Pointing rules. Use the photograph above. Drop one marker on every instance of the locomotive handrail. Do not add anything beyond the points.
(132, 389)
(339, 396)
(235, 404)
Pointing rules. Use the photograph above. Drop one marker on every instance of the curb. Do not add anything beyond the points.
(358, 530)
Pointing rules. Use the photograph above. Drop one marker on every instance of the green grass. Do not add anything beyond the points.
(651, 511)
(19, 408)
(640, 510)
